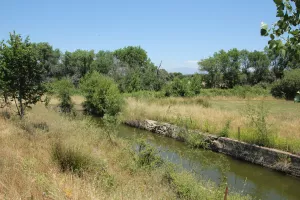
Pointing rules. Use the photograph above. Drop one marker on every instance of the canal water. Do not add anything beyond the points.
(257, 181)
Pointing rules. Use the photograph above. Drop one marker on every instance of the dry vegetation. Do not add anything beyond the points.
(27, 169)
(212, 114)
(51, 156)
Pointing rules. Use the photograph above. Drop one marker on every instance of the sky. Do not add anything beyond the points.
(178, 33)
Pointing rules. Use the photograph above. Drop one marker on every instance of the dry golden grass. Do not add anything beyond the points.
(27, 170)
(283, 120)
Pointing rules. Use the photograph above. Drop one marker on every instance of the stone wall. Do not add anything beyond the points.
(271, 158)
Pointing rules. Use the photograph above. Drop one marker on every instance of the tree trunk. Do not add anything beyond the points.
(21, 106)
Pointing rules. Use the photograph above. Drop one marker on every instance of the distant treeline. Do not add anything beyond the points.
(131, 68)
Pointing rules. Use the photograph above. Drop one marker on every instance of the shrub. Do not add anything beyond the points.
(102, 95)
(63, 89)
(196, 84)
(288, 86)
(147, 156)
(196, 140)
(178, 88)
(225, 130)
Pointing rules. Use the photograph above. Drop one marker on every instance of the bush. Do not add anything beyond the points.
(102, 95)
(63, 89)
(178, 88)
(147, 156)
(288, 86)
(225, 130)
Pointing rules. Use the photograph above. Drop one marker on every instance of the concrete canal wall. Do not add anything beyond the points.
(267, 157)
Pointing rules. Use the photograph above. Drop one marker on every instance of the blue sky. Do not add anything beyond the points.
(178, 32)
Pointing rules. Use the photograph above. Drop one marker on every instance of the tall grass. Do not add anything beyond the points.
(281, 128)
(74, 159)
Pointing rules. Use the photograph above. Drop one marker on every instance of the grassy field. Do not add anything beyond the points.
(51, 156)
(281, 122)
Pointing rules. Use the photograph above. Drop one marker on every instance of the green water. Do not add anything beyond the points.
(257, 181)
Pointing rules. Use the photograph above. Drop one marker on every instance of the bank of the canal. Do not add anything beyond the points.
(257, 181)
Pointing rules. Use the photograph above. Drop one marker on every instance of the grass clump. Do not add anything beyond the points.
(257, 116)
(74, 160)
(196, 140)
(225, 130)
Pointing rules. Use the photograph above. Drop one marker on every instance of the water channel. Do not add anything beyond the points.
(257, 181)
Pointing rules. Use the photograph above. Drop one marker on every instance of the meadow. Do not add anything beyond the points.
(50, 155)
(262, 120)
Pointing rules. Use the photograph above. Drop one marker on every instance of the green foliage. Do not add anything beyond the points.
(196, 140)
(239, 91)
(234, 67)
(178, 88)
(135, 57)
(147, 156)
(188, 187)
(257, 116)
(104, 62)
(225, 130)
(48, 57)
(288, 86)
(196, 84)
(22, 74)
(64, 89)
(285, 29)
(102, 95)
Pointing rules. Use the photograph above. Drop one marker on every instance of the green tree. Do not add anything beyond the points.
(196, 84)
(288, 86)
(178, 88)
(258, 68)
(231, 68)
(63, 89)
(285, 33)
(104, 62)
(213, 78)
(102, 95)
(21, 72)
(48, 57)
(135, 57)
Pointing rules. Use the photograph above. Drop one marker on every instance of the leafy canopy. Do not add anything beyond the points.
(22, 74)
(285, 34)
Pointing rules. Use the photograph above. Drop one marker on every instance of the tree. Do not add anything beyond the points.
(64, 88)
(135, 57)
(178, 88)
(258, 67)
(104, 62)
(288, 86)
(48, 57)
(229, 63)
(285, 33)
(22, 74)
(102, 95)
(214, 76)
(196, 84)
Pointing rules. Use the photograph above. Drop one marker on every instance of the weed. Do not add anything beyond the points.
(225, 130)
(257, 116)
(147, 156)
(196, 140)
